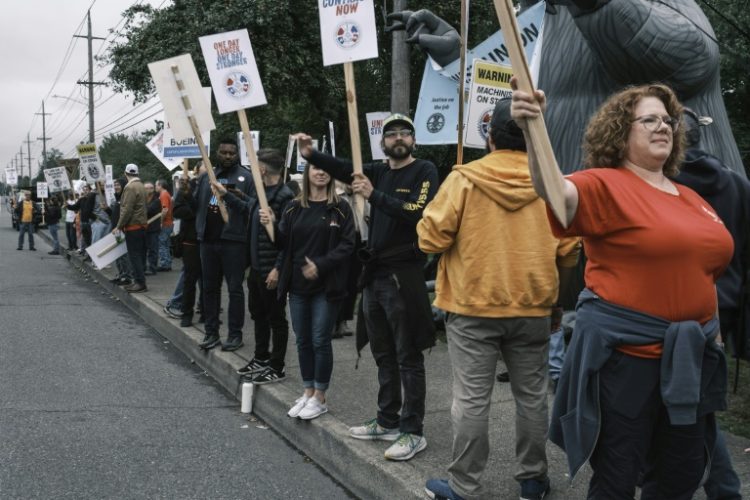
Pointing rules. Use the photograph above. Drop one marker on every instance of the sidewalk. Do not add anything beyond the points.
(359, 465)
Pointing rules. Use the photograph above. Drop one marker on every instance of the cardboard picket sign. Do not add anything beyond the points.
(244, 158)
(236, 90)
(233, 71)
(186, 148)
(491, 82)
(172, 99)
(333, 140)
(156, 146)
(11, 176)
(91, 164)
(41, 190)
(57, 179)
(347, 31)
(109, 186)
(180, 91)
(375, 131)
(106, 250)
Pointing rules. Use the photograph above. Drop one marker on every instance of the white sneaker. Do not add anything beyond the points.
(313, 409)
(371, 431)
(406, 446)
(298, 405)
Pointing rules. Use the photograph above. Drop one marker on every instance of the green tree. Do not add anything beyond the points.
(120, 149)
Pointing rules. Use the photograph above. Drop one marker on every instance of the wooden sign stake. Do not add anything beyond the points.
(351, 107)
(254, 167)
(185, 168)
(198, 138)
(551, 177)
(461, 87)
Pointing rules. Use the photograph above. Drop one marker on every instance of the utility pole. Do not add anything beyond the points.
(91, 81)
(28, 151)
(44, 137)
(400, 82)
(21, 162)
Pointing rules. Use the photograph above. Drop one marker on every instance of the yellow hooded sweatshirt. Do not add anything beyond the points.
(499, 255)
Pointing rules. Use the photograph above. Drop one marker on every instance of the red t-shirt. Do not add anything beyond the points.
(166, 202)
(648, 250)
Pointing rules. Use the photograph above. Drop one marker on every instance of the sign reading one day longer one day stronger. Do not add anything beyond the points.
(233, 71)
(347, 31)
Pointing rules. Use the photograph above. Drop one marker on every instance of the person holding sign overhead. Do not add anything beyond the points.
(645, 370)
(395, 303)
(223, 245)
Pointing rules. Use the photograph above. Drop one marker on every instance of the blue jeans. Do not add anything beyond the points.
(556, 353)
(53, 228)
(176, 299)
(165, 257)
(313, 319)
(25, 227)
(99, 230)
(152, 251)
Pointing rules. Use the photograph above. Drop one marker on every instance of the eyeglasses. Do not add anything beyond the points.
(398, 133)
(653, 122)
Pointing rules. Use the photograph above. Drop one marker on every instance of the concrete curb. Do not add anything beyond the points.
(354, 463)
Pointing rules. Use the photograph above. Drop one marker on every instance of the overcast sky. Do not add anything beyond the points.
(34, 38)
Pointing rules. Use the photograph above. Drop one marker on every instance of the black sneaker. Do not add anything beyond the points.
(172, 312)
(232, 344)
(209, 342)
(186, 321)
(534, 489)
(269, 376)
(254, 366)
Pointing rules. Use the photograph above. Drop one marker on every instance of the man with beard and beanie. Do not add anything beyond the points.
(132, 223)
(267, 309)
(222, 245)
(395, 303)
(498, 288)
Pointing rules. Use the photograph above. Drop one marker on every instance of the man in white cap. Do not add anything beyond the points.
(132, 224)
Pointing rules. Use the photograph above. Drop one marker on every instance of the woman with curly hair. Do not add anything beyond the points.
(645, 369)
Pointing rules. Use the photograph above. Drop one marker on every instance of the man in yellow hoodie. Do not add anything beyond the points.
(498, 281)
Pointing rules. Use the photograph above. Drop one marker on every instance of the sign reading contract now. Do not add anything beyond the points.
(491, 83)
(347, 30)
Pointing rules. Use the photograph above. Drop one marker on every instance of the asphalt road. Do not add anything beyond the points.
(94, 404)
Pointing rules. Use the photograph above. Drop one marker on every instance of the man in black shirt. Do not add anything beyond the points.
(222, 246)
(394, 301)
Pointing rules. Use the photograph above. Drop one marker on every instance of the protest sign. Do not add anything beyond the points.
(186, 148)
(375, 131)
(11, 176)
(347, 31)
(239, 89)
(164, 75)
(333, 140)
(41, 190)
(106, 250)
(57, 179)
(179, 89)
(301, 163)
(232, 70)
(91, 164)
(491, 82)
(109, 185)
(156, 146)
(347, 34)
(244, 160)
(436, 118)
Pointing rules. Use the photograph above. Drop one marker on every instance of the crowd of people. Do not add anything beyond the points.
(644, 371)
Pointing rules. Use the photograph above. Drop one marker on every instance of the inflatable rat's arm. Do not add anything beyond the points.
(435, 36)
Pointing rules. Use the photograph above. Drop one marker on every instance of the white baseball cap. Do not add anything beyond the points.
(131, 169)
